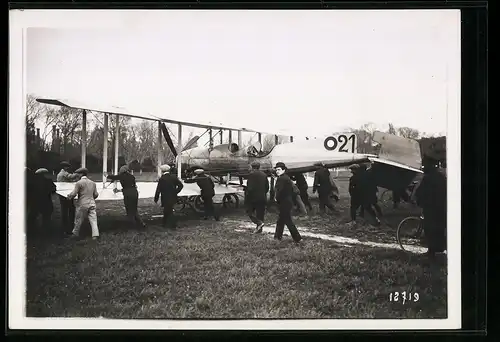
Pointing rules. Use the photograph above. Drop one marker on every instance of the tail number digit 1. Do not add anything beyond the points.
(331, 143)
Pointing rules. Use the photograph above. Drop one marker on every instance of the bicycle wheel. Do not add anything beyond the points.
(409, 233)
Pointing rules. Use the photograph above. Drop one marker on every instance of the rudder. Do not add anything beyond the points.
(398, 149)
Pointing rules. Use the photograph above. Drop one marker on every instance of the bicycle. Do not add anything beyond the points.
(410, 232)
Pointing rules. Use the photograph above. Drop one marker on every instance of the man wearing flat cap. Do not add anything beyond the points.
(43, 189)
(256, 196)
(207, 192)
(168, 187)
(130, 195)
(86, 190)
(284, 194)
(67, 206)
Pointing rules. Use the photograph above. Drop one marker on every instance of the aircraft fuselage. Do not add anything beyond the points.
(298, 156)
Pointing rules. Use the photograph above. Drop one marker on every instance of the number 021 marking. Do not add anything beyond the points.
(331, 143)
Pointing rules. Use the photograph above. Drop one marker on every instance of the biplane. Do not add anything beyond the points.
(395, 164)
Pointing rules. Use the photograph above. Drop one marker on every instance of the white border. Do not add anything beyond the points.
(20, 20)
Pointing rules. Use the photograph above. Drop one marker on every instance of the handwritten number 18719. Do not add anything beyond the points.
(404, 297)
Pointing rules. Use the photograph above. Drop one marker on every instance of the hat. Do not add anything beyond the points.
(164, 168)
(65, 164)
(255, 165)
(280, 165)
(199, 171)
(41, 170)
(82, 170)
(124, 169)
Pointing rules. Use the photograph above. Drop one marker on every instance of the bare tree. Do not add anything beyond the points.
(408, 132)
(34, 110)
(392, 129)
(95, 143)
(368, 128)
(146, 137)
(68, 121)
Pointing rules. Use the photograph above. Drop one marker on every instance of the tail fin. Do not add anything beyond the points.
(398, 149)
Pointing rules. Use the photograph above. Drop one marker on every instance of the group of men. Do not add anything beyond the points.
(40, 188)
(80, 203)
(169, 187)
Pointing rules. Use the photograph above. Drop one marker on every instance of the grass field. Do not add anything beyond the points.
(209, 269)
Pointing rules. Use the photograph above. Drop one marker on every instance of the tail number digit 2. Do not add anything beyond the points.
(331, 143)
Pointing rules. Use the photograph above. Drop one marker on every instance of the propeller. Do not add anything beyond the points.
(168, 139)
(192, 143)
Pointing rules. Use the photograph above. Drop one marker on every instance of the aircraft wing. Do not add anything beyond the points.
(96, 107)
(169, 118)
(145, 189)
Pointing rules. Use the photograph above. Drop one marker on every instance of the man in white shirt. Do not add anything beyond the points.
(86, 190)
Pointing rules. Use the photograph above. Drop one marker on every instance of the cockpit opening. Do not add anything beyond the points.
(234, 148)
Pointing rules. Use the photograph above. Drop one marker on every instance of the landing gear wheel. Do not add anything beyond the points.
(199, 204)
(230, 201)
(179, 206)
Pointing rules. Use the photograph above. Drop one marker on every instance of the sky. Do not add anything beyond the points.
(300, 72)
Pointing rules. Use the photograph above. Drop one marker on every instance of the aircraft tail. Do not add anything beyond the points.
(398, 149)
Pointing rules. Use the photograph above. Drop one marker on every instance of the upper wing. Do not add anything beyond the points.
(96, 107)
(170, 118)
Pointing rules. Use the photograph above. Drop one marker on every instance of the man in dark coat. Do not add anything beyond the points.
(67, 206)
(358, 191)
(432, 198)
(256, 196)
(370, 189)
(284, 193)
(301, 183)
(43, 189)
(207, 187)
(130, 195)
(168, 187)
(323, 185)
